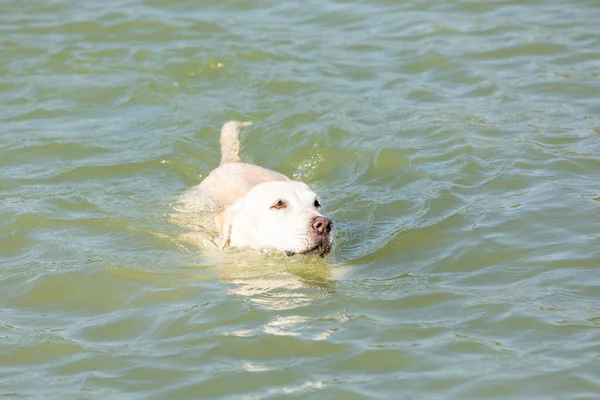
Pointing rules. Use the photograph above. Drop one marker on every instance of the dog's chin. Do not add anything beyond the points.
(322, 248)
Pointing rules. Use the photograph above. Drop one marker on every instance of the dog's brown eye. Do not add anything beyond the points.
(317, 204)
(279, 204)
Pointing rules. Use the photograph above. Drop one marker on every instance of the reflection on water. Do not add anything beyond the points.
(278, 285)
(276, 281)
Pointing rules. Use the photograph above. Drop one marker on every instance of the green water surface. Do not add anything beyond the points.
(455, 144)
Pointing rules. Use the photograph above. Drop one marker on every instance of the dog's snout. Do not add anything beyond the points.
(322, 225)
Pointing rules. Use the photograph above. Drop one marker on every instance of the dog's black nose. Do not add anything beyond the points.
(322, 225)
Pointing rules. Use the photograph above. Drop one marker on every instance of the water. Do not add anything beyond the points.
(456, 145)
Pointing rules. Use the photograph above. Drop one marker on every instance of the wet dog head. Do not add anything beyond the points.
(283, 215)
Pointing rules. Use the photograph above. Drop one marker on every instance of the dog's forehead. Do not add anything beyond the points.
(283, 189)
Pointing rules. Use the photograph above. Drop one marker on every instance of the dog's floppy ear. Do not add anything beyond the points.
(224, 219)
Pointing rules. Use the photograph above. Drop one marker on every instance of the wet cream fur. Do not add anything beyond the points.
(248, 195)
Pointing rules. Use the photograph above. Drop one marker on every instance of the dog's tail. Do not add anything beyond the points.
(230, 141)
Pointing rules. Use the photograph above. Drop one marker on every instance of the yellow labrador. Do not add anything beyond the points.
(263, 208)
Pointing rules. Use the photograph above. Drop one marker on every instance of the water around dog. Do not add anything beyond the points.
(455, 145)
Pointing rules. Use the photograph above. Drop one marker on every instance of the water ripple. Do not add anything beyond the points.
(455, 144)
